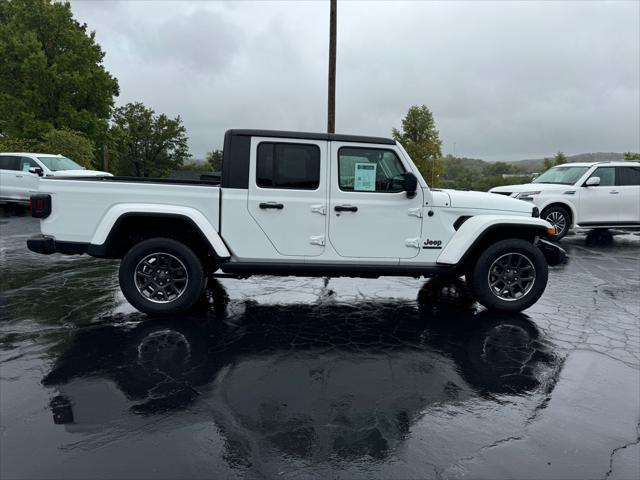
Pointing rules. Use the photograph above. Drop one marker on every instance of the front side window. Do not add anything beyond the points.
(288, 165)
(60, 163)
(607, 176)
(564, 175)
(370, 170)
(628, 176)
(26, 164)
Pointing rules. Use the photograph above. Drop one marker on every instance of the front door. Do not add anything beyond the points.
(600, 204)
(288, 193)
(28, 182)
(369, 213)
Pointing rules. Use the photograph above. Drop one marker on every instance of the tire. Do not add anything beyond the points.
(514, 261)
(560, 218)
(441, 294)
(178, 286)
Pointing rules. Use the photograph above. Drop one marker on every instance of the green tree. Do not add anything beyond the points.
(70, 144)
(51, 72)
(421, 140)
(145, 144)
(214, 159)
(13, 144)
(632, 156)
(560, 158)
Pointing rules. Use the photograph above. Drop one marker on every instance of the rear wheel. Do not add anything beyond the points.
(161, 276)
(560, 219)
(511, 275)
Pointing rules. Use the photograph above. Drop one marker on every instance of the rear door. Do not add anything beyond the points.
(628, 184)
(288, 193)
(9, 181)
(370, 215)
(600, 204)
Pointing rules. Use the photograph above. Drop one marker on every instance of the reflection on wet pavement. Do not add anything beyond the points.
(305, 378)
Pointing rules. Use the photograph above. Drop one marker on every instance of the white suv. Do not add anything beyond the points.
(19, 173)
(584, 195)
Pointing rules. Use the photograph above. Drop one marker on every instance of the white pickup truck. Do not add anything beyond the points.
(303, 204)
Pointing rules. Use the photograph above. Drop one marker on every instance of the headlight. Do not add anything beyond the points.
(526, 195)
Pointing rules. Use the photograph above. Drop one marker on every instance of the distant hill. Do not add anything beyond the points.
(473, 164)
(537, 164)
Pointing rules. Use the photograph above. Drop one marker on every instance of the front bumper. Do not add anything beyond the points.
(554, 254)
(47, 245)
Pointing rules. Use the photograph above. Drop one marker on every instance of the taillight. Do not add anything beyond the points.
(40, 206)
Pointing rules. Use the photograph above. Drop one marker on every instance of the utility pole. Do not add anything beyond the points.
(105, 157)
(331, 110)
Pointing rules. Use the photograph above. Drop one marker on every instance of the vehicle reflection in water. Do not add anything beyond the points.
(311, 382)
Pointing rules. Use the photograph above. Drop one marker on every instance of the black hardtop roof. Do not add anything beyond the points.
(311, 136)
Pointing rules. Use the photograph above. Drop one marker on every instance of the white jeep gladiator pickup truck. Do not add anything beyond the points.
(304, 204)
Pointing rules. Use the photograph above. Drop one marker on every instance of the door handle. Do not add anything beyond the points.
(272, 205)
(345, 208)
(18, 176)
(613, 192)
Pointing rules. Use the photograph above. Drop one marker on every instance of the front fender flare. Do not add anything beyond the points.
(123, 210)
(472, 231)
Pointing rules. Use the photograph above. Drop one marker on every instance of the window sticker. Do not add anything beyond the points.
(365, 177)
(26, 166)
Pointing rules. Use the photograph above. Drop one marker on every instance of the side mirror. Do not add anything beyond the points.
(37, 170)
(410, 184)
(592, 182)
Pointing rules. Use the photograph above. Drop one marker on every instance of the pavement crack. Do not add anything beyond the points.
(622, 447)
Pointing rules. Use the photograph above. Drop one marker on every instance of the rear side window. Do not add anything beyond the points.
(8, 162)
(628, 176)
(288, 165)
(607, 176)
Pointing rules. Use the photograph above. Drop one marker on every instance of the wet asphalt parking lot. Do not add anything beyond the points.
(306, 378)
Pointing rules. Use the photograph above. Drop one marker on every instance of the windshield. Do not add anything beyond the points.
(59, 163)
(562, 175)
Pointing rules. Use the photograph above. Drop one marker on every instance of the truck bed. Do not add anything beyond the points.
(209, 180)
(83, 206)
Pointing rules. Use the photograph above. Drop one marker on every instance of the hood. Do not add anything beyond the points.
(487, 201)
(529, 187)
(80, 173)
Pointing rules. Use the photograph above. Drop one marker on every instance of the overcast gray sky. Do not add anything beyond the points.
(505, 80)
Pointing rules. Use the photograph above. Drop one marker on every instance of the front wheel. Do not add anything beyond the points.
(510, 275)
(559, 218)
(161, 276)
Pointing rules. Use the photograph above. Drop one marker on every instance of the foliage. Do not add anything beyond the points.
(559, 159)
(145, 144)
(214, 159)
(13, 144)
(632, 156)
(194, 167)
(421, 140)
(473, 174)
(71, 144)
(51, 72)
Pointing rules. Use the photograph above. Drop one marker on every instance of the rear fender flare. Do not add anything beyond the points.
(195, 217)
